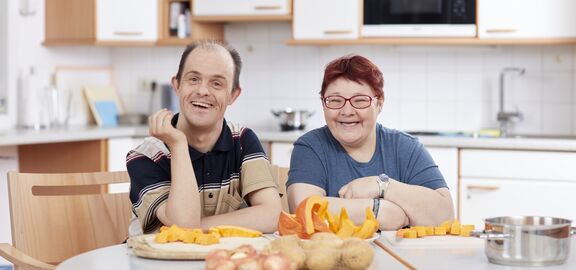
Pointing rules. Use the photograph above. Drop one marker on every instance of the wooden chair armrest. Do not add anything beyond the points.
(19, 258)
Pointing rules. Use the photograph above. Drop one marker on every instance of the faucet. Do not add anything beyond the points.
(503, 116)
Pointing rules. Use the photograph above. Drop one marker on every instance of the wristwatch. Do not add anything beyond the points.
(383, 181)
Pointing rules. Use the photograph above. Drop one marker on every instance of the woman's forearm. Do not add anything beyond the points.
(423, 206)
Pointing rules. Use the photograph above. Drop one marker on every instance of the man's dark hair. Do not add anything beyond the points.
(211, 44)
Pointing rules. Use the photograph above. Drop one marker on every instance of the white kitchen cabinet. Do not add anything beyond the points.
(326, 19)
(526, 18)
(280, 153)
(118, 148)
(447, 160)
(241, 7)
(127, 20)
(502, 182)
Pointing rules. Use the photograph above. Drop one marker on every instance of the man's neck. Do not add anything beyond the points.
(201, 139)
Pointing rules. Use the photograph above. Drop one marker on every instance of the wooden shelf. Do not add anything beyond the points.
(263, 18)
(175, 41)
(432, 41)
(125, 43)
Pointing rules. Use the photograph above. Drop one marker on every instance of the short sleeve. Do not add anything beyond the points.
(306, 166)
(420, 168)
(255, 173)
(149, 189)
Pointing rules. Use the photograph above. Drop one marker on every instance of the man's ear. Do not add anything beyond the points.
(175, 85)
(234, 95)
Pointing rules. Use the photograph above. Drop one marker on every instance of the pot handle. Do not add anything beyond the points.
(573, 231)
(489, 235)
(275, 113)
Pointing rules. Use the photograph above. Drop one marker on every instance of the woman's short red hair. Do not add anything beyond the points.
(354, 68)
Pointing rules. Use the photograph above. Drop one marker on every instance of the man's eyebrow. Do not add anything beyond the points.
(193, 72)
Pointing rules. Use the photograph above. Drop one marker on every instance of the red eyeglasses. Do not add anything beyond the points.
(358, 101)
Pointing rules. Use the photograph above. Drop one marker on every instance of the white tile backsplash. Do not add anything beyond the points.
(433, 88)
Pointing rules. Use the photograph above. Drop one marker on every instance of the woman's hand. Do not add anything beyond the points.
(361, 188)
(161, 127)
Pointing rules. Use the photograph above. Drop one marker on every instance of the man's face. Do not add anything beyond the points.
(205, 89)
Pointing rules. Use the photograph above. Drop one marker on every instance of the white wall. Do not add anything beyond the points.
(24, 50)
(444, 88)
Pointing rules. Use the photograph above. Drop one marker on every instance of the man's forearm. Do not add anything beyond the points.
(263, 218)
(183, 206)
(422, 205)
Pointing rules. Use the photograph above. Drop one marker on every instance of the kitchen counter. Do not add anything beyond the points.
(71, 134)
(82, 133)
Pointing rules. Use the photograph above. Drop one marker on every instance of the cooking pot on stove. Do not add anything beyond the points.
(292, 119)
(526, 240)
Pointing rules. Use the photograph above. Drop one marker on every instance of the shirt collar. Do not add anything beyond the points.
(224, 143)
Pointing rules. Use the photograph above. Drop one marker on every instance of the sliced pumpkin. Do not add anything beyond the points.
(305, 209)
(235, 231)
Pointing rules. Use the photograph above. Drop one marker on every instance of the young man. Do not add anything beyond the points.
(198, 171)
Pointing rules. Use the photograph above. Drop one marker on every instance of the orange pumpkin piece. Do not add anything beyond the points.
(305, 209)
(319, 224)
(447, 225)
(332, 222)
(455, 228)
(235, 231)
(288, 225)
(410, 234)
(400, 233)
(347, 229)
(440, 230)
(367, 229)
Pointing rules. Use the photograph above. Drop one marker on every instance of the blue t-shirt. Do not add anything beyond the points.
(319, 159)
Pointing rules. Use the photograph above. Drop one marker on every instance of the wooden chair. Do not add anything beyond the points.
(281, 174)
(57, 216)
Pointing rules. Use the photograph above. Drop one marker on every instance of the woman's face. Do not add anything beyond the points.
(351, 126)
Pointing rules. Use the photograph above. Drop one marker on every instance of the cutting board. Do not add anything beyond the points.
(104, 104)
(145, 246)
(449, 241)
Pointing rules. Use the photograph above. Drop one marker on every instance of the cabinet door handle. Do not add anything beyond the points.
(482, 188)
(337, 32)
(118, 33)
(496, 31)
(267, 7)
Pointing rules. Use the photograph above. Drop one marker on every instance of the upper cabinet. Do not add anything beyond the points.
(242, 10)
(127, 20)
(526, 19)
(326, 19)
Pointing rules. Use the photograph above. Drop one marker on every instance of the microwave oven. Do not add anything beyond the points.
(419, 18)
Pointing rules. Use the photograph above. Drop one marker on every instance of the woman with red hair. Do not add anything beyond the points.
(356, 162)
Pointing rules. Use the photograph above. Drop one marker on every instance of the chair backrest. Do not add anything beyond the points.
(281, 174)
(57, 216)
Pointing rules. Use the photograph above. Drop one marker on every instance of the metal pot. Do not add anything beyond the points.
(292, 119)
(527, 240)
